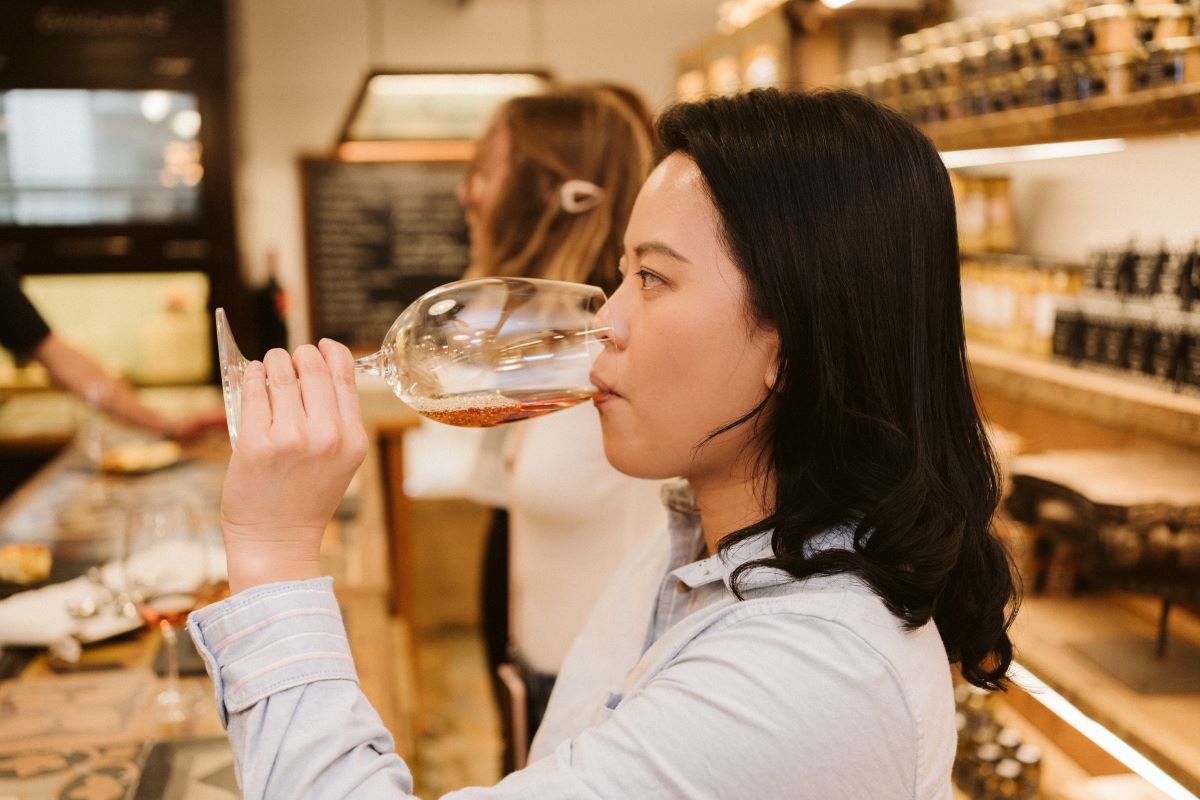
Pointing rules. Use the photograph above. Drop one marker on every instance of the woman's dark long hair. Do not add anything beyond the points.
(841, 217)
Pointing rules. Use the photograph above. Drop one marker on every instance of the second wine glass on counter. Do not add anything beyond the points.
(473, 353)
(168, 572)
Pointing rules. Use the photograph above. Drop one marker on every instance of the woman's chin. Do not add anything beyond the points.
(633, 460)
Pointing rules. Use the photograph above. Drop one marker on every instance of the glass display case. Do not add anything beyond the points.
(99, 157)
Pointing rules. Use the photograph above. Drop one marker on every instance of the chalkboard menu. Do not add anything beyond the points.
(378, 235)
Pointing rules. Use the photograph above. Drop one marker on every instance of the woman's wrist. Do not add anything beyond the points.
(255, 563)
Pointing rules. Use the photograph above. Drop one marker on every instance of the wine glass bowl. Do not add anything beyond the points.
(166, 574)
(474, 353)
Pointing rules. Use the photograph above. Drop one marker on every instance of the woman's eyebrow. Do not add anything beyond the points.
(660, 248)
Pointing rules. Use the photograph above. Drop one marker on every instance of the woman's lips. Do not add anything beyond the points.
(604, 392)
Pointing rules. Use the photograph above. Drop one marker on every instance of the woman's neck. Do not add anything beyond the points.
(730, 502)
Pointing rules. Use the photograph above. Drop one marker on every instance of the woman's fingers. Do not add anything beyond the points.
(287, 408)
(256, 408)
(320, 405)
(341, 369)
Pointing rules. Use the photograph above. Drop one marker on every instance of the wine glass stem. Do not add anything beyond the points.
(171, 643)
(373, 364)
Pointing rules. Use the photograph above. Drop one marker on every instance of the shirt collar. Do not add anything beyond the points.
(687, 541)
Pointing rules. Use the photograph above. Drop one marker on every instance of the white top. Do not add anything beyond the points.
(572, 520)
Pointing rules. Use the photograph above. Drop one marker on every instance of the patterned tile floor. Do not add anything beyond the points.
(458, 741)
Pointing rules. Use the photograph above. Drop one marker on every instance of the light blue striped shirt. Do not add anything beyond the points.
(675, 689)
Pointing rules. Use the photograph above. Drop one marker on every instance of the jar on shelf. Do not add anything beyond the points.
(999, 94)
(908, 75)
(1147, 270)
(1114, 75)
(1139, 341)
(1043, 43)
(1189, 289)
(948, 66)
(1190, 368)
(1022, 48)
(949, 100)
(1164, 21)
(1167, 352)
(930, 39)
(1005, 783)
(1115, 344)
(891, 83)
(974, 98)
(1171, 277)
(972, 215)
(950, 34)
(1041, 85)
(999, 58)
(877, 83)
(987, 758)
(1111, 28)
(927, 71)
(1009, 740)
(974, 60)
(1074, 80)
(911, 45)
(1175, 62)
(999, 236)
(923, 107)
(1072, 36)
(1030, 759)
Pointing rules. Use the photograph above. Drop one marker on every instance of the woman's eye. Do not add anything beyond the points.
(649, 279)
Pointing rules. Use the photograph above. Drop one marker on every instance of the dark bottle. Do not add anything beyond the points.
(1189, 284)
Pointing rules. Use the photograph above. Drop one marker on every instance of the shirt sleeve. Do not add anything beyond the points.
(772, 706)
(287, 693)
(22, 328)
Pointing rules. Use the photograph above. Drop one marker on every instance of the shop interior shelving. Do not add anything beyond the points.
(1123, 403)
(1051, 405)
(1143, 114)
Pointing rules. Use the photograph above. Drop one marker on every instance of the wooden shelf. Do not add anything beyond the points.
(1112, 400)
(1152, 112)
(1162, 727)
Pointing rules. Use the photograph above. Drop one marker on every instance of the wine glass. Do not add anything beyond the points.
(473, 353)
(165, 561)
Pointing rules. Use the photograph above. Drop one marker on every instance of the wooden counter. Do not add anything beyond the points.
(119, 672)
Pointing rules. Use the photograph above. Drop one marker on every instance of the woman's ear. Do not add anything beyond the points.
(771, 377)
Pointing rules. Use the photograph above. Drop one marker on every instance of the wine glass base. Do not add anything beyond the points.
(183, 704)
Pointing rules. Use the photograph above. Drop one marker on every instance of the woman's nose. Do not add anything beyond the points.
(611, 320)
(462, 191)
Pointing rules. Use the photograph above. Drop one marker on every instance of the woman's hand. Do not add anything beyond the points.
(300, 442)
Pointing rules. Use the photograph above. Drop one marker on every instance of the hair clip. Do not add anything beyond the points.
(579, 196)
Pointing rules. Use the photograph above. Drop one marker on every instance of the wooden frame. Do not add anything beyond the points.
(410, 148)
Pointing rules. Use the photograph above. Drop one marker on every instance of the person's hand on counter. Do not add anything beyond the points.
(301, 441)
(196, 425)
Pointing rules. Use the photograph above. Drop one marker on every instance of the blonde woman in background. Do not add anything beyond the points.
(549, 195)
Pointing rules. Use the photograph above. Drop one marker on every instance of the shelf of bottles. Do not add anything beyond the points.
(1070, 71)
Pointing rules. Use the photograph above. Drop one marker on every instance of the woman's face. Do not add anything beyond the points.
(684, 358)
(480, 189)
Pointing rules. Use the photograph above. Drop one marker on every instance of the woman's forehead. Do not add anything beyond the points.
(673, 206)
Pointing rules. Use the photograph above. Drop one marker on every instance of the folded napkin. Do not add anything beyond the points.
(39, 617)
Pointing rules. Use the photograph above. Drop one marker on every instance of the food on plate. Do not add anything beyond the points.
(140, 456)
(24, 563)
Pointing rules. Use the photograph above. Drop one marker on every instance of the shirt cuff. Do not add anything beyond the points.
(271, 638)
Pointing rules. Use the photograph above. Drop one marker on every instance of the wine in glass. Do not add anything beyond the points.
(474, 353)
(165, 561)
